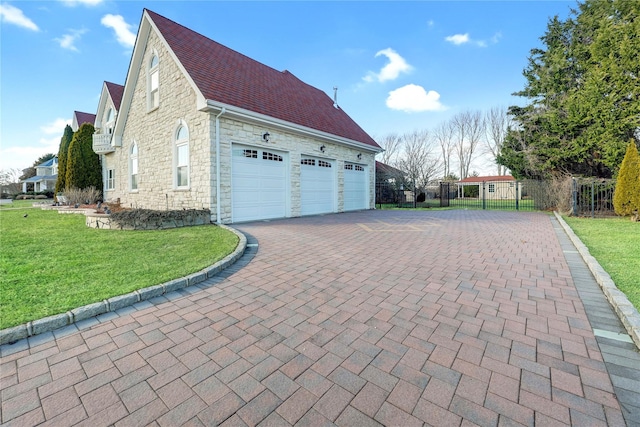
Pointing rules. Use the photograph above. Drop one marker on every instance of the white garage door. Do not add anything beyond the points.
(355, 187)
(258, 184)
(316, 186)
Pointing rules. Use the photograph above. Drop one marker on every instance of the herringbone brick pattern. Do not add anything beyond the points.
(374, 318)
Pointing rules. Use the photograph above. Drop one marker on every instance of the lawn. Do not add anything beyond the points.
(615, 243)
(51, 263)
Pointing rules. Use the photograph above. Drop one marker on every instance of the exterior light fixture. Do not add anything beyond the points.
(359, 156)
(265, 136)
(322, 147)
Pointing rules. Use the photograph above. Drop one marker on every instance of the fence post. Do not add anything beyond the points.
(593, 200)
(484, 202)
(574, 196)
(517, 196)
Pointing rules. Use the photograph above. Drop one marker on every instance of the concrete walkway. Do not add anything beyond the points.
(441, 318)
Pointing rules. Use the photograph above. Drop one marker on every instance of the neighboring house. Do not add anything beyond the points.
(105, 121)
(390, 184)
(389, 174)
(80, 118)
(202, 126)
(46, 176)
(492, 187)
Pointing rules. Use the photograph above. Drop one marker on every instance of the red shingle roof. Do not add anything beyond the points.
(496, 178)
(84, 118)
(115, 90)
(226, 76)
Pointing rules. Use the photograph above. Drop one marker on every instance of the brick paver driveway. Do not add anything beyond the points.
(396, 318)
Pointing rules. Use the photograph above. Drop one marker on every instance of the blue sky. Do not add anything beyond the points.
(398, 66)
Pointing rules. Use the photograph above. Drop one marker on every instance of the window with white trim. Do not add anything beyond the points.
(181, 156)
(108, 122)
(111, 179)
(492, 188)
(153, 79)
(133, 167)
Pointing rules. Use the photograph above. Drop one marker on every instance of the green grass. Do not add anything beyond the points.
(615, 243)
(20, 204)
(51, 263)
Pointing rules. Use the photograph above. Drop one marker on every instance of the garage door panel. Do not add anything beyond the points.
(355, 187)
(258, 184)
(317, 186)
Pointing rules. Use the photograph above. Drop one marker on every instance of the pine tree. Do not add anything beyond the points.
(626, 198)
(65, 141)
(83, 164)
(582, 89)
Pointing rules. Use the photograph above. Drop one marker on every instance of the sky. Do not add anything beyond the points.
(398, 66)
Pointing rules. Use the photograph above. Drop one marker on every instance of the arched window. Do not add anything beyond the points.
(153, 82)
(133, 167)
(108, 123)
(181, 156)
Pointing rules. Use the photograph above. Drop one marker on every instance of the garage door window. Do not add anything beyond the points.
(324, 164)
(252, 154)
(308, 162)
(271, 156)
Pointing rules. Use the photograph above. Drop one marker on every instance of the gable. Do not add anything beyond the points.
(110, 97)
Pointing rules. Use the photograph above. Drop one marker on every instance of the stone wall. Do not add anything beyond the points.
(151, 220)
(154, 133)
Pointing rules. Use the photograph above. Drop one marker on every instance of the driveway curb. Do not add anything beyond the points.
(627, 313)
(57, 321)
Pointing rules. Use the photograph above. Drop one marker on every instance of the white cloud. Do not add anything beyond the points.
(82, 2)
(67, 41)
(123, 30)
(413, 98)
(13, 15)
(458, 39)
(55, 127)
(392, 70)
(23, 156)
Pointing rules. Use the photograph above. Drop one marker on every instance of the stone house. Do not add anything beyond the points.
(79, 118)
(203, 126)
(105, 121)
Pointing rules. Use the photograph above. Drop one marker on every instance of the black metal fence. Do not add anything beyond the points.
(580, 197)
(592, 197)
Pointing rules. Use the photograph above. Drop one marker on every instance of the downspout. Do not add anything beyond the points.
(218, 174)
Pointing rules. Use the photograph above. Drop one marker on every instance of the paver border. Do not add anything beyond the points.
(51, 323)
(627, 313)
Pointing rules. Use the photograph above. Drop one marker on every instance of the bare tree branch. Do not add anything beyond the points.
(498, 122)
(443, 135)
(418, 161)
(469, 127)
(391, 143)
